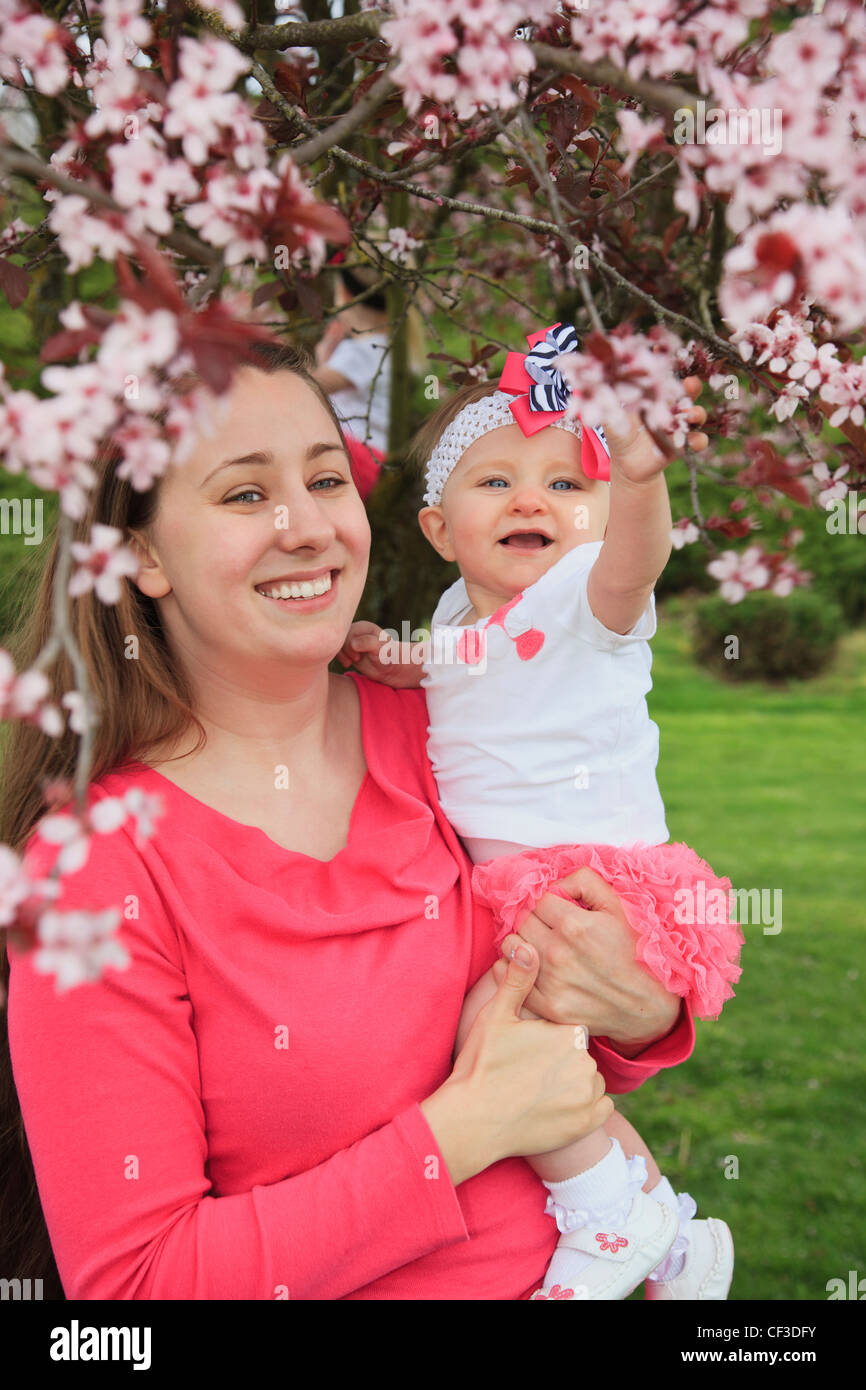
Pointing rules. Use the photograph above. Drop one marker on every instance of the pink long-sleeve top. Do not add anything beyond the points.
(236, 1114)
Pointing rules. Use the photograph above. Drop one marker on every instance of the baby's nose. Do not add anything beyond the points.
(529, 498)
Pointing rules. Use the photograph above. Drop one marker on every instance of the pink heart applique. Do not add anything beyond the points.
(470, 646)
(529, 643)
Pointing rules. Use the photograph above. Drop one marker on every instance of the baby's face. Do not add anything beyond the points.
(514, 505)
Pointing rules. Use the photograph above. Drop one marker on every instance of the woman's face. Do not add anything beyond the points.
(265, 505)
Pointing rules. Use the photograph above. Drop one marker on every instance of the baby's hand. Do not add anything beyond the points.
(374, 654)
(636, 455)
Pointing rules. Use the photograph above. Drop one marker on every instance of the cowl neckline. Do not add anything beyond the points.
(395, 857)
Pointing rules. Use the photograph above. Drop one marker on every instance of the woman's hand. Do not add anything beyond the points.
(589, 973)
(635, 455)
(398, 664)
(519, 1086)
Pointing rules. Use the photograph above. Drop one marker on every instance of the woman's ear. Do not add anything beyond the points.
(151, 579)
(433, 524)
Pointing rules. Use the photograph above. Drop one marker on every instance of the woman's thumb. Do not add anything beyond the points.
(517, 980)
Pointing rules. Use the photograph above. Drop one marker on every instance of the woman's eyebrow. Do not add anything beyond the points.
(265, 457)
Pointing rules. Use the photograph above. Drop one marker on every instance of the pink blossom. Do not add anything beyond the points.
(808, 54)
(836, 488)
(136, 341)
(36, 42)
(199, 104)
(726, 569)
(102, 564)
(115, 93)
(814, 366)
(82, 235)
(146, 454)
(145, 809)
(25, 696)
(124, 27)
(637, 135)
(488, 61)
(642, 379)
(398, 244)
(80, 719)
(830, 261)
(231, 213)
(15, 885)
(684, 532)
(755, 569)
(77, 946)
(145, 181)
(84, 393)
(72, 833)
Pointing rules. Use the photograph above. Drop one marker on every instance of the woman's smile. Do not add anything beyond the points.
(305, 593)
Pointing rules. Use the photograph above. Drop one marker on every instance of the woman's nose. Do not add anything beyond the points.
(301, 520)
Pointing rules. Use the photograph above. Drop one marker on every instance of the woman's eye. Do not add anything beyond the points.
(329, 483)
(248, 492)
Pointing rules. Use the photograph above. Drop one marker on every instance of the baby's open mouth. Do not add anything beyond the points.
(526, 540)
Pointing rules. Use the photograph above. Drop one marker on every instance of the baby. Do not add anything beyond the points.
(545, 755)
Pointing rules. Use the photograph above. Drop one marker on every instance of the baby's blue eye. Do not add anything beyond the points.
(495, 481)
(566, 483)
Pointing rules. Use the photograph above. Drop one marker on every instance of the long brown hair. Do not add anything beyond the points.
(142, 702)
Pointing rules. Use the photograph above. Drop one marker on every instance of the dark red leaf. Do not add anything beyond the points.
(309, 300)
(578, 89)
(269, 290)
(672, 233)
(14, 282)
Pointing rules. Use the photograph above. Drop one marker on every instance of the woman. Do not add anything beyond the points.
(221, 1119)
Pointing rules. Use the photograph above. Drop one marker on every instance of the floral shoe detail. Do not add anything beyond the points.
(623, 1254)
(707, 1270)
(559, 1292)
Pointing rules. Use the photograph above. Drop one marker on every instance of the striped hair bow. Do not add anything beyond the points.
(542, 393)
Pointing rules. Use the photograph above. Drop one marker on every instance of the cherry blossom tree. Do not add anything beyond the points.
(684, 182)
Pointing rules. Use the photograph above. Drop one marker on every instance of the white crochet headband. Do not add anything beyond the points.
(474, 420)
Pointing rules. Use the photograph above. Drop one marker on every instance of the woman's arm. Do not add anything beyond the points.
(109, 1083)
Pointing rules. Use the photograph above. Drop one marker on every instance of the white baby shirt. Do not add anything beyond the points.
(357, 357)
(546, 739)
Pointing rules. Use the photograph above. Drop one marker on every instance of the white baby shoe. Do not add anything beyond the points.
(707, 1269)
(623, 1253)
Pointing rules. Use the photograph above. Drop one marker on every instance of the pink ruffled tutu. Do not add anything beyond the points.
(677, 907)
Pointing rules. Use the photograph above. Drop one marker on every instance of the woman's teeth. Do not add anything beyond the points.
(308, 588)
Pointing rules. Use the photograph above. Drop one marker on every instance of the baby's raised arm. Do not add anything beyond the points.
(637, 545)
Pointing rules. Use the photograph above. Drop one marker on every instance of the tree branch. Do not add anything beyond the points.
(16, 161)
(356, 115)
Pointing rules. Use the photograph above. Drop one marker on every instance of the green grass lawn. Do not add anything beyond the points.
(767, 784)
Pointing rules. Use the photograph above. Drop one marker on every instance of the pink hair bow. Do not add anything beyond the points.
(542, 394)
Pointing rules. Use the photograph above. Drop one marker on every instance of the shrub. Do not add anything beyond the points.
(778, 638)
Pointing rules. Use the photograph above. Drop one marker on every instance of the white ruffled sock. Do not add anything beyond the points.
(603, 1192)
(683, 1207)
